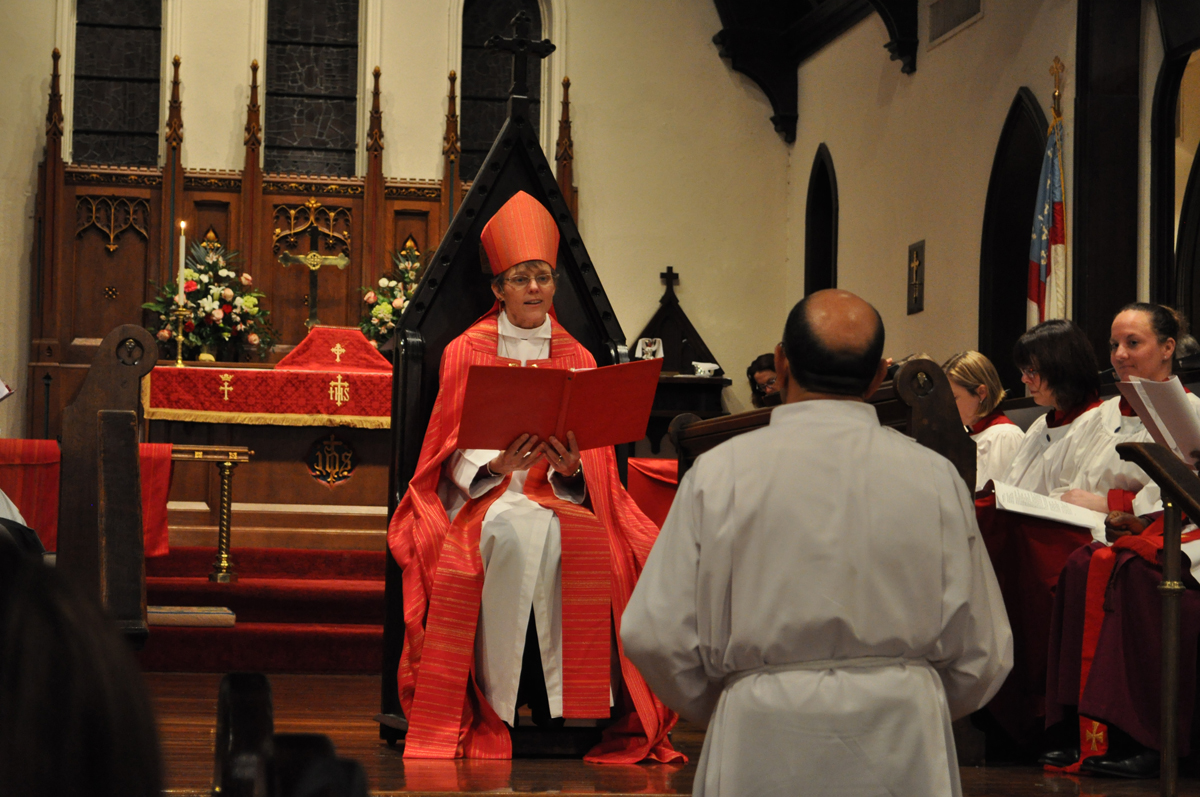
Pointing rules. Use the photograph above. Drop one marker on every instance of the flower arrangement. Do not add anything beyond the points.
(385, 303)
(224, 309)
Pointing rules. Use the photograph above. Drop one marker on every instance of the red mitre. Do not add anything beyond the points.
(521, 230)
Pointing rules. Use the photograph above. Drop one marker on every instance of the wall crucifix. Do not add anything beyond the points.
(314, 260)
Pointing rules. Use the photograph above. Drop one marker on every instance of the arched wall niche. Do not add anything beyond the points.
(1007, 221)
(821, 225)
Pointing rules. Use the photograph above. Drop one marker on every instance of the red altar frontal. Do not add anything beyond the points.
(316, 422)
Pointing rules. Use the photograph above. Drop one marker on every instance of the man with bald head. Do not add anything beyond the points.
(819, 594)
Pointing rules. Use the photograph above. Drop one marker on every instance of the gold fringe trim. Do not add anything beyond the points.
(258, 418)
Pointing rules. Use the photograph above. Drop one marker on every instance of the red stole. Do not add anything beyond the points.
(603, 552)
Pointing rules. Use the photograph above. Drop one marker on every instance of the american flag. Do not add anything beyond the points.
(1047, 296)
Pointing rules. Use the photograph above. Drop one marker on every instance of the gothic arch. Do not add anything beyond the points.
(821, 225)
(1007, 221)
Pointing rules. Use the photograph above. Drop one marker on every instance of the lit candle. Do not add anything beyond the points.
(180, 297)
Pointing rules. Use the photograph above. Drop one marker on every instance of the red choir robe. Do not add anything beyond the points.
(1106, 643)
(603, 552)
(1027, 554)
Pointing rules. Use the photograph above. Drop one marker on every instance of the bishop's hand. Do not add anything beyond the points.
(522, 453)
(565, 460)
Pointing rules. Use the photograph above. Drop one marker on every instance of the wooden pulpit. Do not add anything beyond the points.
(453, 293)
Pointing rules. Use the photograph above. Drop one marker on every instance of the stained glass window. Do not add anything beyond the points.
(487, 75)
(118, 63)
(311, 102)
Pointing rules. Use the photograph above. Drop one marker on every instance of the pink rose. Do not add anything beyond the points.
(370, 298)
(218, 314)
(253, 339)
(227, 294)
(190, 286)
(398, 303)
(164, 334)
(247, 280)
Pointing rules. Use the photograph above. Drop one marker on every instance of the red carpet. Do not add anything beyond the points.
(297, 611)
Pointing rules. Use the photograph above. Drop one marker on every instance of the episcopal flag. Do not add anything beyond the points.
(1047, 295)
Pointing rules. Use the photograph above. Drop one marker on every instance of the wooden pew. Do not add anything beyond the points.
(100, 542)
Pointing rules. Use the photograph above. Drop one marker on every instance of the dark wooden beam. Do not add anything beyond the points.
(900, 17)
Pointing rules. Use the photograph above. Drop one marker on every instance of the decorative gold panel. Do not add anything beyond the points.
(291, 220)
(112, 215)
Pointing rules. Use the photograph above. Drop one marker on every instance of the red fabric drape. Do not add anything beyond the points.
(652, 485)
(29, 475)
(443, 577)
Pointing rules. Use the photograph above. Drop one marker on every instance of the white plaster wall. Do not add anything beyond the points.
(678, 165)
(913, 154)
(24, 94)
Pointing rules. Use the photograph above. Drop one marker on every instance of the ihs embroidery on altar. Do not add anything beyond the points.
(226, 388)
(338, 351)
(339, 391)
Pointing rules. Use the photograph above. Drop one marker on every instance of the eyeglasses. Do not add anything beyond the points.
(1029, 373)
(522, 281)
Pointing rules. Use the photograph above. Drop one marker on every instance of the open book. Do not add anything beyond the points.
(1167, 414)
(1025, 502)
(602, 406)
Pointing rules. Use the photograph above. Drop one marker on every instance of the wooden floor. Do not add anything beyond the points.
(342, 707)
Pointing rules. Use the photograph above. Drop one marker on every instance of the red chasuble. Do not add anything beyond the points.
(603, 551)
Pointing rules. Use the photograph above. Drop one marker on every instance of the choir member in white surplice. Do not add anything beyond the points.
(978, 393)
(819, 593)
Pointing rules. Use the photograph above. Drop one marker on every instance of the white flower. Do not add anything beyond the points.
(205, 278)
(392, 284)
(383, 282)
(236, 318)
(221, 260)
(211, 257)
(237, 302)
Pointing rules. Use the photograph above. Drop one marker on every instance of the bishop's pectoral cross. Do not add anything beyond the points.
(314, 260)
(521, 46)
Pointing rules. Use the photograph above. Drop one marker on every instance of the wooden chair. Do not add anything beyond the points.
(453, 293)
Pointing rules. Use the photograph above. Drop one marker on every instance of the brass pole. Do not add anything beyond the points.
(222, 571)
(1171, 590)
(180, 313)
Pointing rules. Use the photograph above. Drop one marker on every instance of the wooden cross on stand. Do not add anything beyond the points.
(314, 260)
(521, 46)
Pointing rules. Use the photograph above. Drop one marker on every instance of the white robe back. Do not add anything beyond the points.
(822, 538)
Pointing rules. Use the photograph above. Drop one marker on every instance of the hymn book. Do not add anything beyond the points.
(1027, 502)
(602, 406)
(1166, 413)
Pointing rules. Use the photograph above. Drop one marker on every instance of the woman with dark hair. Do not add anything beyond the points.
(1059, 368)
(761, 373)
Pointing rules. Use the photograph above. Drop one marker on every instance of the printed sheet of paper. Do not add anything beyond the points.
(5, 390)
(1167, 414)
(1025, 502)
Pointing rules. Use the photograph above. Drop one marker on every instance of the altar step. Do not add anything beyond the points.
(300, 611)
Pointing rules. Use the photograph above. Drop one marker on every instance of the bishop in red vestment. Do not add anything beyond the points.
(574, 501)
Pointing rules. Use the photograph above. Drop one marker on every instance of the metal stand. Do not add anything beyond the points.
(179, 314)
(222, 571)
(1171, 590)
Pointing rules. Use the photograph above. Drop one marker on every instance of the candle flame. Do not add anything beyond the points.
(182, 225)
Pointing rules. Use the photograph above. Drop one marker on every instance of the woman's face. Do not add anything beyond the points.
(1039, 389)
(968, 402)
(1134, 350)
(527, 293)
(766, 382)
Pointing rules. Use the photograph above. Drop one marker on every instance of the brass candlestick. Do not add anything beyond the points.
(179, 314)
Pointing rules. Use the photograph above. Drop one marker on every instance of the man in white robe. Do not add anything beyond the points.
(819, 593)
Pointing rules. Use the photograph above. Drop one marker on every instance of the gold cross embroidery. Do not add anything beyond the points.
(339, 391)
(226, 387)
(338, 351)
(1094, 737)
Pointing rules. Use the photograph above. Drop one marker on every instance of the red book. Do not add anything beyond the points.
(602, 406)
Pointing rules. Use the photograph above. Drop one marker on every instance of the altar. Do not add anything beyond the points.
(317, 423)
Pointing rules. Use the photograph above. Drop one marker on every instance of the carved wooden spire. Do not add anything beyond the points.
(375, 128)
(375, 260)
(451, 184)
(175, 112)
(564, 153)
(253, 140)
(251, 212)
(54, 114)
